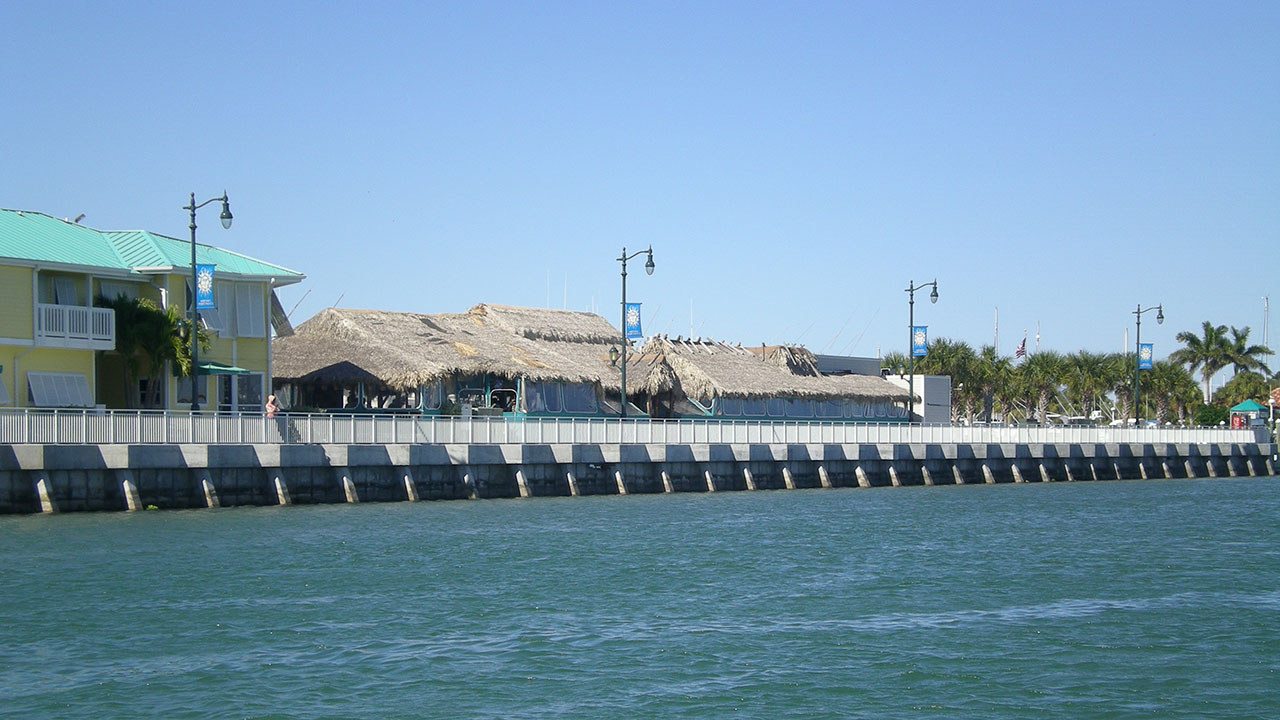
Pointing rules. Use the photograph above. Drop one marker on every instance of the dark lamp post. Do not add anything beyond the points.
(911, 353)
(1137, 356)
(226, 218)
(648, 269)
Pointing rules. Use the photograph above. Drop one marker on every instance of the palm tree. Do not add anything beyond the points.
(895, 362)
(955, 359)
(1245, 356)
(1119, 369)
(994, 377)
(1089, 377)
(1208, 353)
(1167, 384)
(1041, 375)
(145, 331)
(1247, 385)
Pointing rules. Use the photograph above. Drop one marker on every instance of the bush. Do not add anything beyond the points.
(1211, 415)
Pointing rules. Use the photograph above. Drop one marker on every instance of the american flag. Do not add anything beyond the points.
(1021, 351)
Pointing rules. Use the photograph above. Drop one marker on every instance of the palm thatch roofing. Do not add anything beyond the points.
(406, 350)
(707, 369)
(403, 351)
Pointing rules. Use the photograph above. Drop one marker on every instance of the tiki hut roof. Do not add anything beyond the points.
(706, 369)
(405, 350)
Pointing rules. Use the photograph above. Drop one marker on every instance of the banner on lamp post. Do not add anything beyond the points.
(632, 316)
(920, 340)
(204, 287)
(1145, 353)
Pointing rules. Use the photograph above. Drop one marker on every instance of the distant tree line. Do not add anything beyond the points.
(987, 386)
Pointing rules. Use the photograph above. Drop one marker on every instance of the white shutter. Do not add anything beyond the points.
(59, 389)
(250, 312)
(112, 290)
(224, 297)
(64, 291)
(4, 392)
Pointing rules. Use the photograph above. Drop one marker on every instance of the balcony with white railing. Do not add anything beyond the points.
(75, 326)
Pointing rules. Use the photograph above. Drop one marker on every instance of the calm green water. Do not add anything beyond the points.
(1105, 600)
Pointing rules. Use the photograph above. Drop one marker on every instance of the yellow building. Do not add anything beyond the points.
(57, 349)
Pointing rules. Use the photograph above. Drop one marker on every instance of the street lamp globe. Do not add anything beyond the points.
(648, 264)
(933, 295)
(225, 217)
(1160, 315)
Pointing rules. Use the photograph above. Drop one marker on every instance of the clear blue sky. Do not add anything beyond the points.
(794, 165)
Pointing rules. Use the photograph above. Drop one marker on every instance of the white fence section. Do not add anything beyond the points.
(28, 426)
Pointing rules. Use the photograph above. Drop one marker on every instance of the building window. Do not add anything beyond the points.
(112, 290)
(47, 389)
(64, 291)
(184, 390)
(580, 398)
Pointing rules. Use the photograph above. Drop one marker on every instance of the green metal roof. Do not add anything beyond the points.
(37, 237)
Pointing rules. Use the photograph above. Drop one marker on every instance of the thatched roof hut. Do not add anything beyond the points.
(706, 369)
(405, 350)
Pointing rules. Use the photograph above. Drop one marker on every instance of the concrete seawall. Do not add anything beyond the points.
(69, 478)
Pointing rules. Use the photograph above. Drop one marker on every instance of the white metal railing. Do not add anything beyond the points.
(38, 426)
(75, 322)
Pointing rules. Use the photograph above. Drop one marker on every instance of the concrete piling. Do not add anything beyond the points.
(1142, 470)
(893, 477)
(1017, 474)
(823, 478)
(1044, 474)
(1070, 477)
(46, 498)
(210, 494)
(1190, 470)
(955, 472)
(926, 475)
(1164, 468)
(282, 492)
(523, 484)
(1231, 467)
(711, 483)
(786, 478)
(751, 481)
(1271, 470)
(622, 487)
(573, 483)
(130, 491)
(410, 490)
(1116, 467)
(987, 476)
(1213, 471)
(861, 474)
(473, 493)
(349, 488)
(666, 483)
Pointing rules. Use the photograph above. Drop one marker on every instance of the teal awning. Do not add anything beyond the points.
(1249, 406)
(213, 368)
